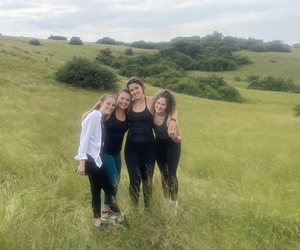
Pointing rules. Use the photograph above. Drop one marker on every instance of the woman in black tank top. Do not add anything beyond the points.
(116, 126)
(140, 145)
(168, 147)
(140, 150)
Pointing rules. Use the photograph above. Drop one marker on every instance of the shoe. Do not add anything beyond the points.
(98, 224)
(123, 223)
(173, 207)
(107, 215)
(167, 202)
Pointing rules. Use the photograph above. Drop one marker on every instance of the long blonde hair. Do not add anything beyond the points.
(97, 106)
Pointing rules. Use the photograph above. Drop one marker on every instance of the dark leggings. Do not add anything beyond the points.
(99, 180)
(167, 157)
(140, 161)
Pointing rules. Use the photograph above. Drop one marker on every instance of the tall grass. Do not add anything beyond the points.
(239, 176)
(279, 65)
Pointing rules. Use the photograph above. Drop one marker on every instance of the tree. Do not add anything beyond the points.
(129, 52)
(34, 42)
(57, 37)
(106, 40)
(75, 41)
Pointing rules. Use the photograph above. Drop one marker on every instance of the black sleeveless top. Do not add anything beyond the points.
(115, 130)
(140, 125)
(161, 131)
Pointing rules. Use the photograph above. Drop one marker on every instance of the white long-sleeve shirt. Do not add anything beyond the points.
(91, 138)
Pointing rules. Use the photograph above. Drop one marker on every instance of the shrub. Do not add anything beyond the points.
(81, 72)
(75, 41)
(129, 52)
(297, 109)
(34, 42)
(274, 84)
(258, 48)
(57, 37)
(252, 78)
(105, 56)
(237, 78)
(106, 40)
(211, 87)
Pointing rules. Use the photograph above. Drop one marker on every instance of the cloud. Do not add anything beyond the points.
(150, 20)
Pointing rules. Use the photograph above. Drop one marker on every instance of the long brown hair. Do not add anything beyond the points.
(137, 81)
(97, 105)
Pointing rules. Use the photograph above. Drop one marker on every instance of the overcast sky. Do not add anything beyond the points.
(151, 20)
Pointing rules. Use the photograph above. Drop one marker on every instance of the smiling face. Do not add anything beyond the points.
(123, 100)
(107, 106)
(160, 105)
(136, 90)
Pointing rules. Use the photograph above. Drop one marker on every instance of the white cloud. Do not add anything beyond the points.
(150, 20)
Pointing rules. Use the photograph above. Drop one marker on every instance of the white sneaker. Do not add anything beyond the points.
(173, 207)
(167, 203)
(106, 216)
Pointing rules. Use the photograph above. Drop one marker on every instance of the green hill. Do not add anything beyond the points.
(279, 65)
(239, 176)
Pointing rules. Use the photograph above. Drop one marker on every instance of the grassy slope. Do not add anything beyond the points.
(279, 65)
(238, 175)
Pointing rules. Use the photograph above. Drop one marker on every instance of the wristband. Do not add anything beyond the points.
(173, 119)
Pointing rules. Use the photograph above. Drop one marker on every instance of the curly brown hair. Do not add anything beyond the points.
(170, 100)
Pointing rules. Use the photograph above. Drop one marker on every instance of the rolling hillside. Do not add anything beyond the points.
(239, 175)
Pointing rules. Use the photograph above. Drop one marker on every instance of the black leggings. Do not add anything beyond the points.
(140, 161)
(99, 180)
(167, 157)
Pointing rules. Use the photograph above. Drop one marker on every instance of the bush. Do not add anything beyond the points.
(211, 87)
(252, 78)
(34, 42)
(297, 109)
(105, 56)
(75, 41)
(57, 37)
(258, 48)
(81, 72)
(107, 40)
(129, 52)
(274, 84)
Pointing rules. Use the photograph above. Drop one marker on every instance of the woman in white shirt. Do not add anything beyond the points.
(91, 162)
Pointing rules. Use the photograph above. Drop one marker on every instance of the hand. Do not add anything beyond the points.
(81, 168)
(172, 133)
(172, 126)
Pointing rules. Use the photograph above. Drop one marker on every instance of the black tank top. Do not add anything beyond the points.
(161, 131)
(140, 125)
(115, 130)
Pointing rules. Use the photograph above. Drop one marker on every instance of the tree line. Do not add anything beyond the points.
(195, 43)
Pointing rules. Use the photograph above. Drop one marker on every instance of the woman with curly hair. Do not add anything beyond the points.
(168, 146)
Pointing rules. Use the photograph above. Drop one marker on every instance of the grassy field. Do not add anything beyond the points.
(279, 65)
(239, 176)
